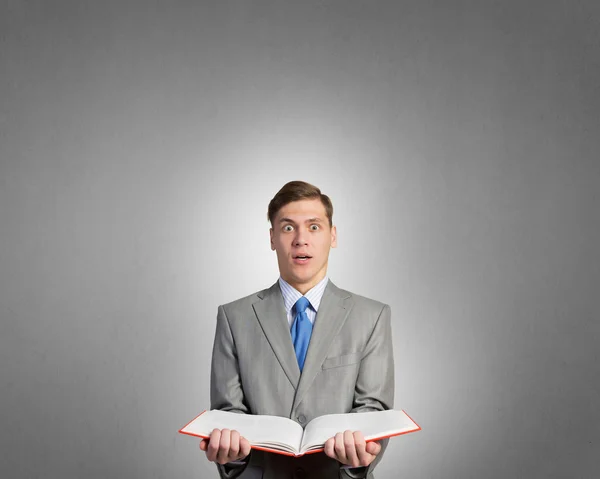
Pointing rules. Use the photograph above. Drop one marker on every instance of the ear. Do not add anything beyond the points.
(271, 236)
(333, 236)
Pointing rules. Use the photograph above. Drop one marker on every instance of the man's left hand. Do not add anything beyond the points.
(350, 448)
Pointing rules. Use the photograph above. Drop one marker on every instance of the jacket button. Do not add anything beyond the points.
(302, 419)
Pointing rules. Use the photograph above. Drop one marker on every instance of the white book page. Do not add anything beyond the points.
(372, 424)
(258, 429)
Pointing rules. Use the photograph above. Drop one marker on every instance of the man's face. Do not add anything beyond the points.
(301, 228)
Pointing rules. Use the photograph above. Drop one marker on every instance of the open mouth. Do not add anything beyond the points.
(301, 258)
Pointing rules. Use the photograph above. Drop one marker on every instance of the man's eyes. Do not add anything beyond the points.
(290, 227)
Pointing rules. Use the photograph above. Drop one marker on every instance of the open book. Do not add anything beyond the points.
(284, 436)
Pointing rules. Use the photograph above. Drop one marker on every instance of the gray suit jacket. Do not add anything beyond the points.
(349, 367)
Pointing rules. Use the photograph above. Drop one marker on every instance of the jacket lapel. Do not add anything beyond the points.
(333, 311)
(272, 317)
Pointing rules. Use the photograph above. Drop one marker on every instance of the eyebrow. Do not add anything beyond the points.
(310, 220)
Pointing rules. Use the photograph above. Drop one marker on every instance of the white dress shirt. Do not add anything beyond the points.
(291, 295)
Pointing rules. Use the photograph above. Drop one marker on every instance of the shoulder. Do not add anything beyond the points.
(246, 302)
(360, 301)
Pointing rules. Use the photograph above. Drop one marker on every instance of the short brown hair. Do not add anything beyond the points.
(295, 191)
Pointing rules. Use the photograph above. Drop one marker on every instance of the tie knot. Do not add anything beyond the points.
(301, 304)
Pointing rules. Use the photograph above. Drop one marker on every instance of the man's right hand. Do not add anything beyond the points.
(225, 446)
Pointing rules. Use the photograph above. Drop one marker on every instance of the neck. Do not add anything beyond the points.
(304, 288)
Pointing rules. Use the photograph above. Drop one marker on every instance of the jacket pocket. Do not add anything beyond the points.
(339, 361)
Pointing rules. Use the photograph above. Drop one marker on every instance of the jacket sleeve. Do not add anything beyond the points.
(374, 390)
(226, 391)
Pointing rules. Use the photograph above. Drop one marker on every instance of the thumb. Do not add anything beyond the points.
(373, 447)
(203, 445)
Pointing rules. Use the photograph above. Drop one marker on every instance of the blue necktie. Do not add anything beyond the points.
(301, 330)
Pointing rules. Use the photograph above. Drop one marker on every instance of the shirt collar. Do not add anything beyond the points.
(291, 294)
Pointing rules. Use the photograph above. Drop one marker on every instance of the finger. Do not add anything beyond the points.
(338, 447)
(364, 458)
(244, 447)
(234, 446)
(223, 454)
(204, 444)
(328, 449)
(373, 448)
(350, 448)
(213, 445)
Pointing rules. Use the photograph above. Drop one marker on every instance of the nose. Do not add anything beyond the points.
(300, 238)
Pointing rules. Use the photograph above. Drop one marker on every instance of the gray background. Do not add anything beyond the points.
(140, 143)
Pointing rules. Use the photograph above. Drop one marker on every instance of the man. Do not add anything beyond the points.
(301, 349)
